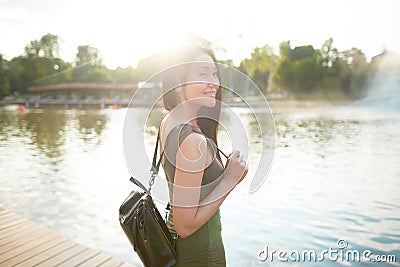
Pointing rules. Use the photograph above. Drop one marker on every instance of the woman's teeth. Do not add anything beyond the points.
(209, 94)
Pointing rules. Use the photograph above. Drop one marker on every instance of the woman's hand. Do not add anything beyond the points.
(236, 168)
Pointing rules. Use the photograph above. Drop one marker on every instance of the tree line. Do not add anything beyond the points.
(40, 64)
(304, 71)
(300, 72)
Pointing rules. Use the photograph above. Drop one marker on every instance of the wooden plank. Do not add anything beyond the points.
(6, 213)
(96, 260)
(9, 218)
(16, 250)
(30, 237)
(30, 227)
(6, 220)
(35, 251)
(79, 259)
(64, 256)
(25, 243)
(3, 211)
(6, 216)
(47, 254)
(5, 230)
(9, 224)
(113, 262)
(13, 232)
(126, 265)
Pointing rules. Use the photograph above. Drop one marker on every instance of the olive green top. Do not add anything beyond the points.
(212, 173)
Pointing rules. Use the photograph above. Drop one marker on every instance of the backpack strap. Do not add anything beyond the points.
(155, 166)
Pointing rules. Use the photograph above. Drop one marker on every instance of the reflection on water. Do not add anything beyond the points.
(335, 176)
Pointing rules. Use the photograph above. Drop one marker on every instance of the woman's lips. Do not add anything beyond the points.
(209, 94)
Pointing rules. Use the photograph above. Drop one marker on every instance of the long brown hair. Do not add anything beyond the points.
(175, 77)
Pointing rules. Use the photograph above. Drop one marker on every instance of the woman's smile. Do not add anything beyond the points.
(210, 94)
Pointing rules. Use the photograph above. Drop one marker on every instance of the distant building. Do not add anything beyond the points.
(84, 90)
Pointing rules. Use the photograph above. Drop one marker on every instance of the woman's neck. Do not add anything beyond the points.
(185, 113)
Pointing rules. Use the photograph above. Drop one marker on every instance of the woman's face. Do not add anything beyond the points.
(203, 82)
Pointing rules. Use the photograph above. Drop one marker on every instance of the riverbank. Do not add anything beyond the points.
(306, 103)
(96, 104)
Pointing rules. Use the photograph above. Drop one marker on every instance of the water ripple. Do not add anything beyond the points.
(335, 176)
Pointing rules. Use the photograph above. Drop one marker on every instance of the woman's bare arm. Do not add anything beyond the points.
(191, 159)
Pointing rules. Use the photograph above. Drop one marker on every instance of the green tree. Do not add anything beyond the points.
(259, 66)
(89, 66)
(354, 58)
(39, 65)
(88, 55)
(328, 54)
(149, 66)
(300, 52)
(123, 75)
(306, 74)
(283, 75)
(32, 50)
(50, 46)
(297, 69)
(354, 73)
(97, 74)
(16, 70)
(4, 77)
(284, 49)
(46, 47)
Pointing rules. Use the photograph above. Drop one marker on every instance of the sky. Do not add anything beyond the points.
(126, 31)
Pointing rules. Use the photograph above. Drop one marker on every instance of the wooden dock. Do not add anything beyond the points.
(25, 243)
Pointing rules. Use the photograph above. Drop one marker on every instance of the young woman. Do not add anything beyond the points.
(199, 183)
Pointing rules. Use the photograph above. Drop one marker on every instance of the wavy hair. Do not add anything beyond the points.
(175, 77)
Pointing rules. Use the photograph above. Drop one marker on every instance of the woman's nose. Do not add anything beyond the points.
(214, 82)
(213, 85)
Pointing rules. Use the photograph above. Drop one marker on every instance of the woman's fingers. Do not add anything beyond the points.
(236, 166)
(235, 153)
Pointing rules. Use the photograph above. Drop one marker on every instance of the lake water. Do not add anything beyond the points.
(335, 176)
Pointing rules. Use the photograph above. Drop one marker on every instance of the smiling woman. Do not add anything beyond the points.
(203, 82)
(198, 181)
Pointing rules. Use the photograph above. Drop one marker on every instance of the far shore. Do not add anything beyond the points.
(304, 103)
(293, 104)
(280, 104)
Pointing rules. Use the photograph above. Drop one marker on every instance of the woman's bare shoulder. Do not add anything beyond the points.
(193, 146)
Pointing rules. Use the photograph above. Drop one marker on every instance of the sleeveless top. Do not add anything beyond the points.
(212, 173)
